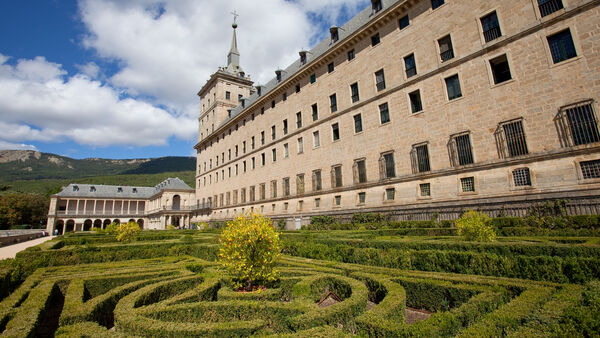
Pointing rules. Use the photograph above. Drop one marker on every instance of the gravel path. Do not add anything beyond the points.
(11, 250)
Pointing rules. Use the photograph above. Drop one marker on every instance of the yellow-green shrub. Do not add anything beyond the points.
(127, 232)
(249, 248)
(476, 226)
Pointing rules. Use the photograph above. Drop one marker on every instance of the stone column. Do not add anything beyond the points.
(77, 207)
(94, 212)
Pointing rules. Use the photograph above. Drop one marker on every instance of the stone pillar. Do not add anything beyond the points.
(67, 208)
(94, 212)
(77, 207)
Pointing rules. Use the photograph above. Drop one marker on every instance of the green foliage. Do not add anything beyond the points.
(249, 248)
(170, 227)
(21, 208)
(369, 217)
(127, 232)
(112, 229)
(281, 224)
(475, 226)
(323, 220)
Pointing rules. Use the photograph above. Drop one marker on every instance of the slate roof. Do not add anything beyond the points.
(349, 28)
(121, 191)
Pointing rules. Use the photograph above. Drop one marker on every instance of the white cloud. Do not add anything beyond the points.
(15, 146)
(90, 69)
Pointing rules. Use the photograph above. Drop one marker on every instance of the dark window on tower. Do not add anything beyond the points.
(410, 65)
(387, 166)
(335, 131)
(404, 22)
(453, 87)
(316, 179)
(380, 80)
(512, 139)
(461, 152)
(521, 177)
(491, 27)
(262, 138)
(284, 97)
(420, 158)
(351, 55)
(390, 194)
(274, 154)
(299, 120)
(286, 186)
(335, 35)
(579, 123)
(415, 101)
(467, 184)
(590, 169)
(375, 39)
(336, 174)
(446, 50)
(384, 113)
(436, 3)
(376, 5)
(297, 88)
(500, 69)
(561, 46)
(273, 133)
(330, 67)
(548, 7)
(358, 123)
(262, 159)
(360, 173)
(315, 112)
(273, 104)
(425, 189)
(313, 78)
(354, 91)
(333, 103)
(227, 96)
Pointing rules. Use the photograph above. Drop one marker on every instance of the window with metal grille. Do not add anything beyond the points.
(500, 69)
(446, 50)
(579, 124)
(460, 150)
(227, 96)
(354, 91)
(375, 39)
(548, 7)
(337, 200)
(415, 101)
(436, 3)
(316, 139)
(317, 202)
(590, 169)
(403, 22)
(243, 195)
(390, 194)
(273, 189)
(336, 176)
(360, 171)
(384, 113)
(491, 27)
(286, 186)
(362, 196)
(285, 127)
(380, 80)
(358, 123)
(513, 142)
(387, 166)
(316, 180)
(521, 177)
(299, 120)
(425, 189)
(313, 78)
(300, 184)
(335, 131)
(410, 65)
(561, 46)
(333, 103)
(467, 184)
(420, 157)
(252, 194)
(351, 55)
(453, 87)
(262, 191)
(315, 112)
(330, 67)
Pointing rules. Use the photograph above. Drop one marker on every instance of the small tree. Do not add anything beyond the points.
(476, 226)
(111, 229)
(249, 248)
(127, 232)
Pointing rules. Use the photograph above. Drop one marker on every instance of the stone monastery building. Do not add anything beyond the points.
(414, 108)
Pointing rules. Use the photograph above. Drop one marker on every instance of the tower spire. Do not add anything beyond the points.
(233, 58)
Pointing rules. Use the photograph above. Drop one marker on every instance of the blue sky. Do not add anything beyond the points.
(118, 78)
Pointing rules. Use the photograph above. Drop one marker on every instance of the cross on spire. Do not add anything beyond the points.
(235, 15)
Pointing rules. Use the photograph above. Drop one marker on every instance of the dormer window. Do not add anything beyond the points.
(243, 101)
(75, 188)
(303, 57)
(376, 5)
(119, 190)
(228, 113)
(259, 90)
(92, 189)
(278, 74)
(335, 35)
(134, 190)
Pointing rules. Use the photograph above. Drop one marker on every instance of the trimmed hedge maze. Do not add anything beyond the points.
(167, 284)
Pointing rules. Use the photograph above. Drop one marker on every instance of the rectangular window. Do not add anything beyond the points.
(500, 69)
(274, 154)
(253, 163)
(336, 176)
(229, 154)
(285, 206)
(446, 50)
(404, 22)
(410, 65)
(453, 87)
(299, 120)
(579, 123)
(240, 96)
(335, 131)
(548, 7)
(244, 147)
(360, 174)
(436, 3)
(300, 184)
(243, 195)
(313, 78)
(384, 113)
(362, 196)
(333, 103)
(237, 151)
(590, 169)
(262, 192)
(252, 193)
(244, 166)
(376, 6)
(252, 143)
(262, 159)
(354, 91)
(351, 55)
(300, 204)
(262, 138)
(390, 194)
(387, 166)
(273, 132)
(337, 200)
(358, 123)
(561, 46)
(235, 197)
(491, 27)
(380, 80)
(521, 177)
(375, 39)
(273, 104)
(273, 189)
(316, 180)
(316, 139)
(285, 127)
(297, 88)
(317, 203)
(227, 96)
(460, 148)
(514, 136)
(284, 97)
(421, 158)
(286, 151)
(467, 184)
(415, 101)
(300, 146)
(286, 186)
(315, 112)
(330, 67)
(425, 189)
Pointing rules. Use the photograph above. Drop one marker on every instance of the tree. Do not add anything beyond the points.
(476, 226)
(22, 208)
(249, 248)
(127, 232)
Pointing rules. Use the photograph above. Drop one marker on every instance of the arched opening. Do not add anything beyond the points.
(106, 223)
(87, 225)
(70, 227)
(176, 202)
(175, 221)
(60, 226)
(117, 221)
(98, 223)
(140, 222)
(131, 220)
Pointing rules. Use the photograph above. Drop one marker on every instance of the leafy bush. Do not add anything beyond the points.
(127, 232)
(170, 227)
(249, 248)
(369, 217)
(111, 229)
(281, 224)
(476, 226)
